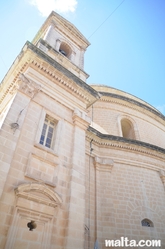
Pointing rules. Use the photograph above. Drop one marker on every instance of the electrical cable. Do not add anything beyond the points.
(106, 19)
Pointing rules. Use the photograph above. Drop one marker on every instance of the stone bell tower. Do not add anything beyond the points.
(62, 41)
(44, 101)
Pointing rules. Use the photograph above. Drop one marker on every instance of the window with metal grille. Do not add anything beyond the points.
(48, 132)
(147, 223)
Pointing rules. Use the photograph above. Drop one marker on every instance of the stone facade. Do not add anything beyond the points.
(78, 163)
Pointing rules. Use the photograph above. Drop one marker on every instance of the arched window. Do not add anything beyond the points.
(65, 50)
(127, 129)
(147, 223)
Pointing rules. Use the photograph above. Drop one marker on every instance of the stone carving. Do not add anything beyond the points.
(162, 176)
(38, 192)
(13, 89)
(28, 86)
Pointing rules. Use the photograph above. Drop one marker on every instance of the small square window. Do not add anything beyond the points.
(48, 132)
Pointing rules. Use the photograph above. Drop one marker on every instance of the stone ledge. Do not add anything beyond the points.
(66, 72)
(50, 51)
(46, 149)
(126, 141)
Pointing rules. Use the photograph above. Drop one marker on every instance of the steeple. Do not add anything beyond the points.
(62, 41)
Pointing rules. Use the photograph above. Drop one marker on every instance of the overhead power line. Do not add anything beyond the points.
(106, 18)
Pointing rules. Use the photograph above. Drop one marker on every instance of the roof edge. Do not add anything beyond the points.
(125, 140)
(147, 107)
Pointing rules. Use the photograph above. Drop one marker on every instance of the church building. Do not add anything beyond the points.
(79, 163)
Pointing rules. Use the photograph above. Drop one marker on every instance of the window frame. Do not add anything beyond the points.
(132, 123)
(58, 135)
(47, 122)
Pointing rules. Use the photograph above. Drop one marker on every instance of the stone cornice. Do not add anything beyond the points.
(124, 144)
(59, 67)
(28, 86)
(10, 83)
(50, 51)
(60, 80)
(53, 69)
(63, 24)
(31, 55)
(111, 97)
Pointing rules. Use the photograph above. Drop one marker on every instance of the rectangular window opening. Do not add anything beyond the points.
(48, 132)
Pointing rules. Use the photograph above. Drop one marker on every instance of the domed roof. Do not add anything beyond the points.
(110, 91)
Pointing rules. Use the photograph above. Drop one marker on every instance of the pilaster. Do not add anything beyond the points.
(49, 35)
(57, 46)
(82, 58)
(10, 130)
(103, 168)
(76, 212)
(162, 176)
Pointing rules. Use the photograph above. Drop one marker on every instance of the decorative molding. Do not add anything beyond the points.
(7, 94)
(20, 214)
(27, 190)
(126, 144)
(34, 202)
(42, 62)
(54, 53)
(28, 86)
(67, 84)
(49, 66)
(10, 87)
(64, 25)
(13, 89)
(103, 164)
(162, 176)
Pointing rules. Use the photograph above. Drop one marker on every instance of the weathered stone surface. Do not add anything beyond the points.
(88, 185)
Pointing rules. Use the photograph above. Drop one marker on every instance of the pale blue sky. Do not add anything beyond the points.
(127, 51)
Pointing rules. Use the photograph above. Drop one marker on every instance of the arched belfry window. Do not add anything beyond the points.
(65, 50)
(147, 223)
(127, 129)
